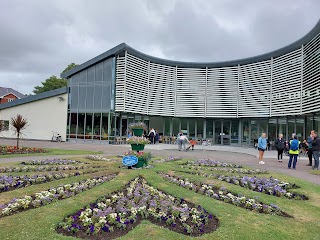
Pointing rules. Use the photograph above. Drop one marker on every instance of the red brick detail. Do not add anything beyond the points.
(6, 98)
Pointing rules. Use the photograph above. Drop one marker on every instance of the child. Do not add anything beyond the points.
(192, 143)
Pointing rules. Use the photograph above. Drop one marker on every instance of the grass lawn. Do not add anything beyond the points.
(52, 151)
(234, 222)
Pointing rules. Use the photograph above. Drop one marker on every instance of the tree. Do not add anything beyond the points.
(50, 84)
(19, 124)
(53, 82)
(70, 66)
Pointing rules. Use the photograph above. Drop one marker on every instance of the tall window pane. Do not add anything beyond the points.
(88, 133)
(96, 126)
(209, 128)
(73, 125)
(81, 120)
(282, 127)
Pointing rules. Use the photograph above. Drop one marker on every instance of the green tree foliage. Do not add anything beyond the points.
(50, 84)
(53, 82)
(70, 66)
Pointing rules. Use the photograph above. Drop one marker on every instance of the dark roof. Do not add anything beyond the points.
(121, 48)
(5, 91)
(34, 98)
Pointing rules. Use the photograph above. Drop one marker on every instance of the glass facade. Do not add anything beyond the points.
(91, 103)
(92, 116)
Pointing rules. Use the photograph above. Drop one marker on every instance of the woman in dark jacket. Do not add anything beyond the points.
(315, 149)
(280, 145)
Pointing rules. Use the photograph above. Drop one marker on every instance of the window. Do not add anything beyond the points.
(4, 124)
(10, 99)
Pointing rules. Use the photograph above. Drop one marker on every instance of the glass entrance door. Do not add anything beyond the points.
(222, 132)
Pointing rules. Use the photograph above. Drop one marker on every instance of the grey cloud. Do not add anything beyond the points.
(39, 38)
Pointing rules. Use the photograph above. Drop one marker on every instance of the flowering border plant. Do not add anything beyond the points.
(270, 186)
(51, 162)
(222, 194)
(121, 211)
(5, 150)
(224, 169)
(45, 168)
(51, 195)
(168, 159)
(99, 158)
(8, 183)
(212, 163)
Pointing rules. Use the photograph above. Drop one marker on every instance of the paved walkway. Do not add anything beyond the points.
(242, 155)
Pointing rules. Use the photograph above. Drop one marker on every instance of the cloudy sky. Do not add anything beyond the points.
(40, 38)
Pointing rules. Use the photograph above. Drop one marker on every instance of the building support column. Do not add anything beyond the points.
(240, 134)
(204, 128)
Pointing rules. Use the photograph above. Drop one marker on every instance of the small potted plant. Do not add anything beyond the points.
(138, 128)
(137, 143)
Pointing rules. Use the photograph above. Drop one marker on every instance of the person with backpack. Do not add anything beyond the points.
(280, 145)
(294, 146)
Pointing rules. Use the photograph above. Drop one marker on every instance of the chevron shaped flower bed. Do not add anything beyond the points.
(115, 215)
(51, 162)
(270, 186)
(51, 195)
(225, 169)
(222, 194)
(46, 168)
(8, 183)
(212, 163)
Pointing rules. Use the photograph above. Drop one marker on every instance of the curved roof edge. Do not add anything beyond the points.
(124, 47)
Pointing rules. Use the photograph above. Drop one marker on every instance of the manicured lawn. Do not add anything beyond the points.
(234, 222)
(51, 152)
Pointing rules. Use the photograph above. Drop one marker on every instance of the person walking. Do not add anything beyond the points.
(315, 150)
(183, 140)
(262, 146)
(179, 141)
(309, 148)
(294, 146)
(152, 135)
(280, 144)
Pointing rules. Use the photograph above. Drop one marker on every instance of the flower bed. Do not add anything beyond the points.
(168, 159)
(115, 215)
(270, 186)
(8, 183)
(99, 158)
(51, 195)
(5, 150)
(51, 162)
(222, 194)
(225, 169)
(45, 168)
(212, 163)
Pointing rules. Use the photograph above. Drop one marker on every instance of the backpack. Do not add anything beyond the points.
(294, 145)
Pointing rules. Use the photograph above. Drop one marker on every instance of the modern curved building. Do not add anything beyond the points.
(230, 102)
